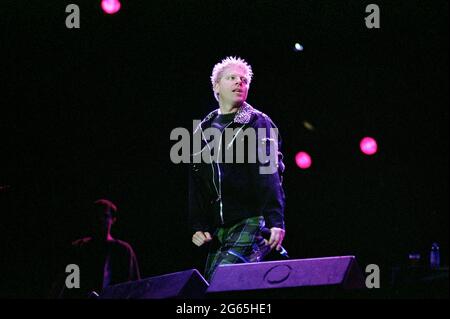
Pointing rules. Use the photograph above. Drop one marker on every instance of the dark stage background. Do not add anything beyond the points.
(86, 113)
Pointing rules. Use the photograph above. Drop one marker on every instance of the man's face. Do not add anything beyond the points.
(233, 85)
(102, 221)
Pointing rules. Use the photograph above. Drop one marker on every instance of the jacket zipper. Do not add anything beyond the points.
(219, 173)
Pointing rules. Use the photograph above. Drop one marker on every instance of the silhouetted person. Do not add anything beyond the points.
(102, 259)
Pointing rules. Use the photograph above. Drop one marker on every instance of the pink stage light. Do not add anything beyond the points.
(303, 160)
(110, 6)
(368, 146)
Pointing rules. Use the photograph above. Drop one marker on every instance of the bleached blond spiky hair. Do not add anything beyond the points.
(218, 69)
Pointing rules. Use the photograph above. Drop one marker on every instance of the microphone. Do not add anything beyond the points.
(265, 232)
(93, 295)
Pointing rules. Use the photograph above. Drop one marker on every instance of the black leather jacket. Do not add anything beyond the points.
(221, 194)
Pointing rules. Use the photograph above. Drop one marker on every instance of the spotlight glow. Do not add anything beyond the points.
(110, 6)
(298, 47)
(368, 146)
(303, 160)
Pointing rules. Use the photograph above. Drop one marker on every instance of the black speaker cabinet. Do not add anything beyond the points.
(297, 278)
(184, 285)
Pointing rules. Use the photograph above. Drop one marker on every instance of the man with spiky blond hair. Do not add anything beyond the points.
(233, 204)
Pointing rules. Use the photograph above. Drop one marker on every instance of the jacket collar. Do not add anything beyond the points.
(243, 115)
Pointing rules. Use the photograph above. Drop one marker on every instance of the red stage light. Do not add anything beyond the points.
(110, 6)
(368, 146)
(303, 160)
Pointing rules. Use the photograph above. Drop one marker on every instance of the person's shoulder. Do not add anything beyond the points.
(122, 244)
(81, 242)
(205, 122)
(260, 119)
(259, 114)
(211, 115)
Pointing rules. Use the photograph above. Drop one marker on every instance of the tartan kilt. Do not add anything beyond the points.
(240, 243)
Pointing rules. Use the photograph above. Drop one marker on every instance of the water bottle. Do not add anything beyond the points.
(435, 258)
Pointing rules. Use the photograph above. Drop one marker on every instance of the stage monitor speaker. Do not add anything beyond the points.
(183, 284)
(316, 277)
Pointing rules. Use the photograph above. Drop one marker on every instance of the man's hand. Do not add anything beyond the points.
(276, 237)
(199, 238)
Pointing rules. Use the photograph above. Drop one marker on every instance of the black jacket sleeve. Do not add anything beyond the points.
(197, 200)
(267, 174)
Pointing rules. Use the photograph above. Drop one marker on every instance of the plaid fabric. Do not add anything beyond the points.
(240, 243)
